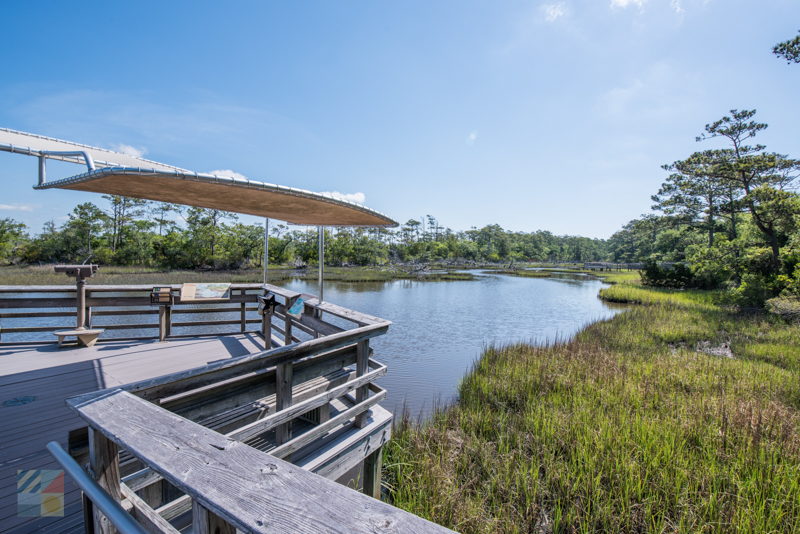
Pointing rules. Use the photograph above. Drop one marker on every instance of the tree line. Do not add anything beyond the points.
(729, 216)
(138, 232)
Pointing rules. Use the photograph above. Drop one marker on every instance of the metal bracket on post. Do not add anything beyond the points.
(87, 158)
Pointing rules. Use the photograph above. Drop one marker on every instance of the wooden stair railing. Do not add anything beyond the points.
(231, 485)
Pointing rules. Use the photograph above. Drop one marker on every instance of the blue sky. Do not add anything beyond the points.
(550, 115)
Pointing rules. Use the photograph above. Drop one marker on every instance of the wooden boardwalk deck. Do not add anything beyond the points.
(36, 379)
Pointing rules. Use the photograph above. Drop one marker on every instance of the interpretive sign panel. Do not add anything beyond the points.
(201, 292)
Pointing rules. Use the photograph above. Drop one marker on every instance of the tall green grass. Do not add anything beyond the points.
(633, 426)
(682, 298)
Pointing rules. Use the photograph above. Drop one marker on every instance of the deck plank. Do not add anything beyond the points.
(50, 375)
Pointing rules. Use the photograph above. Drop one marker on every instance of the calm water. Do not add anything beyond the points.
(440, 328)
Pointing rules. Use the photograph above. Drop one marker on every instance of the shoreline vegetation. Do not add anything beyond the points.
(431, 272)
(676, 415)
(44, 275)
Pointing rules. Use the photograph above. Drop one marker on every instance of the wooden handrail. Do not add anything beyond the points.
(146, 476)
(231, 484)
(164, 386)
(122, 288)
(115, 296)
(271, 421)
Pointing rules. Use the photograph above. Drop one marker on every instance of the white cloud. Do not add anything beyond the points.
(358, 198)
(677, 7)
(627, 3)
(16, 207)
(129, 150)
(228, 173)
(472, 137)
(553, 12)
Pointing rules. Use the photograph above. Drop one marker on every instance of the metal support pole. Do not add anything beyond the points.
(99, 497)
(321, 257)
(266, 247)
(42, 170)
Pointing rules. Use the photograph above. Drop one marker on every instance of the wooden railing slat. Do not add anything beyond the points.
(37, 302)
(249, 489)
(38, 289)
(344, 313)
(304, 439)
(271, 421)
(174, 383)
(144, 514)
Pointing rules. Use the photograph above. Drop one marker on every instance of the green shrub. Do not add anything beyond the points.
(676, 276)
(754, 291)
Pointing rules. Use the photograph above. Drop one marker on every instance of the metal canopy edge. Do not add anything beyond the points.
(29, 144)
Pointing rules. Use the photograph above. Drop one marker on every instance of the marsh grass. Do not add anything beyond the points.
(522, 273)
(682, 298)
(612, 277)
(629, 427)
(44, 275)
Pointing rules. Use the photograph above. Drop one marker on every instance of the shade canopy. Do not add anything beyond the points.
(224, 193)
(115, 173)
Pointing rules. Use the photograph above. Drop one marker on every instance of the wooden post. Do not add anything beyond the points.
(287, 338)
(169, 320)
(373, 464)
(153, 494)
(80, 304)
(243, 312)
(362, 366)
(88, 514)
(283, 399)
(205, 521)
(266, 327)
(104, 464)
(162, 323)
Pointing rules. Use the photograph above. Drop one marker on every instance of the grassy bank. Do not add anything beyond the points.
(44, 275)
(521, 272)
(629, 277)
(675, 416)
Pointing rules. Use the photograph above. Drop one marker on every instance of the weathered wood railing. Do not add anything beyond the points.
(211, 455)
(229, 485)
(106, 305)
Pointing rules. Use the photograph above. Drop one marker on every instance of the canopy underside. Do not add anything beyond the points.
(229, 194)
